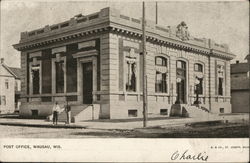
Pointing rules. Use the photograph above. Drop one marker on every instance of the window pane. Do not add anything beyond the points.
(164, 62)
(59, 77)
(220, 91)
(131, 77)
(179, 65)
(158, 61)
(46, 72)
(36, 81)
(71, 66)
(161, 82)
(195, 67)
(198, 67)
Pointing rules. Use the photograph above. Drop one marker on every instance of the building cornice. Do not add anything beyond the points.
(112, 21)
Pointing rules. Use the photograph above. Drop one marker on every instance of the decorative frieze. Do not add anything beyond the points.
(86, 44)
(59, 49)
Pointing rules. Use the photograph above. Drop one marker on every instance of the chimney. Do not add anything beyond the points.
(237, 62)
(2, 60)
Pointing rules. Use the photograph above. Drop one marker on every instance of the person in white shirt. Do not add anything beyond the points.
(55, 110)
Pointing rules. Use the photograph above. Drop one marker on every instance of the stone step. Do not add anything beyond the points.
(75, 110)
(198, 112)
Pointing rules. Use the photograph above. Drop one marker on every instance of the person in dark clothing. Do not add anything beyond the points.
(68, 113)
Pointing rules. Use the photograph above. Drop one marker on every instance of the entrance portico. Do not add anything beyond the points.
(87, 76)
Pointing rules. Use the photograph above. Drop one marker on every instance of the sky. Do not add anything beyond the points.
(224, 22)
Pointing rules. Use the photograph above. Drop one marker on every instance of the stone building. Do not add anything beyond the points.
(240, 86)
(96, 59)
(10, 87)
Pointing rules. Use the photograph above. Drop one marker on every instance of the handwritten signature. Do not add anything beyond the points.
(186, 156)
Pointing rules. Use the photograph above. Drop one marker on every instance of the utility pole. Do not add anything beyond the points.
(145, 94)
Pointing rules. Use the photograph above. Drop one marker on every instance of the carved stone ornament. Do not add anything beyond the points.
(130, 60)
(35, 62)
(220, 70)
(182, 31)
(199, 75)
(132, 53)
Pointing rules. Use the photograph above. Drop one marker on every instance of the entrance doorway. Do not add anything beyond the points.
(181, 82)
(87, 82)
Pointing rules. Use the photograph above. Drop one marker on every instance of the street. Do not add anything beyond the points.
(229, 130)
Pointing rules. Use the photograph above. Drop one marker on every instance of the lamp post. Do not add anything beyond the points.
(178, 80)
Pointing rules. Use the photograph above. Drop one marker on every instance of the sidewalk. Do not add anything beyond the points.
(127, 125)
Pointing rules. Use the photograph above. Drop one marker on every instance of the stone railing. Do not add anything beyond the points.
(76, 21)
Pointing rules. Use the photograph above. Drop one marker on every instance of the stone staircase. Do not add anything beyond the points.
(81, 113)
(192, 111)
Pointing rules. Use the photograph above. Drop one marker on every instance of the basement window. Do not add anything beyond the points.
(164, 111)
(132, 113)
(34, 113)
(221, 110)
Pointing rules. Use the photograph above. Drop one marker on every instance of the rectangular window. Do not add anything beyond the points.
(46, 71)
(220, 88)
(131, 77)
(221, 110)
(36, 80)
(161, 83)
(6, 83)
(59, 77)
(132, 113)
(71, 68)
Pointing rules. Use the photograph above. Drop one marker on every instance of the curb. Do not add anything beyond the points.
(43, 125)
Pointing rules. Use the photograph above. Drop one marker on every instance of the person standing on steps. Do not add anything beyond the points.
(56, 109)
(68, 113)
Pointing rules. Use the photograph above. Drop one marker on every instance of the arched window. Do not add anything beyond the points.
(220, 80)
(161, 75)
